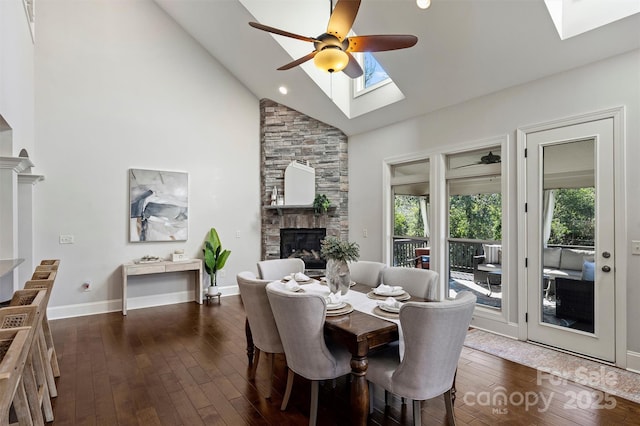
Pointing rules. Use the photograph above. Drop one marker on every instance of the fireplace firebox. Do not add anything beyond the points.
(303, 243)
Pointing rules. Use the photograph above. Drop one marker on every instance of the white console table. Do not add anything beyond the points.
(161, 267)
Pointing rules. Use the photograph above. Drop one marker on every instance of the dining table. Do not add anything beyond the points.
(362, 330)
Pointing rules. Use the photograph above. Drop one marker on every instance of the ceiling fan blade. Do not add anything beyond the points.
(379, 43)
(298, 61)
(353, 68)
(281, 32)
(342, 18)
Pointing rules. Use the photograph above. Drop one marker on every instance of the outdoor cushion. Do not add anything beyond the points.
(573, 258)
(564, 273)
(552, 257)
(489, 267)
(588, 270)
(491, 253)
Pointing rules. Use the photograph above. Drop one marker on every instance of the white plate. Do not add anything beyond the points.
(334, 306)
(388, 308)
(388, 293)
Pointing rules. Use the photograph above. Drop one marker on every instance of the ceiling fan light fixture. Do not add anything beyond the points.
(423, 4)
(331, 59)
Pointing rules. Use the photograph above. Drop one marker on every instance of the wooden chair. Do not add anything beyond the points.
(49, 265)
(33, 373)
(52, 356)
(44, 275)
(45, 381)
(14, 350)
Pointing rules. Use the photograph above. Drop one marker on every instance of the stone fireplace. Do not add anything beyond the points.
(303, 243)
(288, 135)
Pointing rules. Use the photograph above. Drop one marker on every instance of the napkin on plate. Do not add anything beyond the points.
(299, 276)
(383, 288)
(390, 303)
(334, 301)
(333, 298)
(292, 285)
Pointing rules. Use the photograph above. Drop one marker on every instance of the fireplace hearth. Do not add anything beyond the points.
(303, 243)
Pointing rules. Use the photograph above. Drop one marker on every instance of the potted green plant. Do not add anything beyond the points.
(321, 204)
(214, 258)
(337, 253)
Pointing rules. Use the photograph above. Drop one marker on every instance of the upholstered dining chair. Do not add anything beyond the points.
(366, 272)
(434, 333)
(263, 326)
(420, 283)
(275, 269)
(300, 320)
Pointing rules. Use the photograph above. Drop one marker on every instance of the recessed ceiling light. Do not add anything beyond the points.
(423, 4)
(283, 90)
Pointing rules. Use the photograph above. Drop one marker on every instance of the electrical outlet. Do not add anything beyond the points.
(365, 232)
(237, 234)
(66, 239)
(222, 273)
(635, 247)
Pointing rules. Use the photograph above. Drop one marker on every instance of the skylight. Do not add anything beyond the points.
(576, 17)
(374, 74)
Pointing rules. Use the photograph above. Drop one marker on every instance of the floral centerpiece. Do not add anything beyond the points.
(337, 253)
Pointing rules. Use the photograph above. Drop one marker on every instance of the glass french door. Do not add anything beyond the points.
(411, 233)
(570, 247)
(474, 244)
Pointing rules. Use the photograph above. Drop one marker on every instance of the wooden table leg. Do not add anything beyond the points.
(359, 390)
(250, 347)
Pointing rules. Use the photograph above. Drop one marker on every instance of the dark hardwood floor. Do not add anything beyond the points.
(186, 364)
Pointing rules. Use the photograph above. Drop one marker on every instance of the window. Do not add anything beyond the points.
(410, 191)
(475, 225)
(573, 222)
(374, 75)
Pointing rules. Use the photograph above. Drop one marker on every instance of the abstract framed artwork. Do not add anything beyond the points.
(159, 209)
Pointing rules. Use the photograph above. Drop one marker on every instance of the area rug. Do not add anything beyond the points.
(612, 380)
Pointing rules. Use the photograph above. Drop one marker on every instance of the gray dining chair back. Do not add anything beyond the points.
(366, 272)
(434, 334)
(275, 269)
(300, 319)
(417, 282)
(261, 322)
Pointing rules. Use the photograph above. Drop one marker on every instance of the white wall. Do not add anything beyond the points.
(119, 85)
(16, 125)
(16, 76)
(598, 86)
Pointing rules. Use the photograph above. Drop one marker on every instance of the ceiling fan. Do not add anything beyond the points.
(490, 158)
(333, 49)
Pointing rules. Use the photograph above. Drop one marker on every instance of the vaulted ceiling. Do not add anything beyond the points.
(465, 49)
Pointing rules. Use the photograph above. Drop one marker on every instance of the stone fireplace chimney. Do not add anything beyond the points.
(288, 135)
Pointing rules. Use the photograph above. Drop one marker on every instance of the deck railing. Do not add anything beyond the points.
(461, 253)
(404, 251)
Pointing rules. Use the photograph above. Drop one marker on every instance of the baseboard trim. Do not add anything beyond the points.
(633, 361)
(496, 327)
(95, 308)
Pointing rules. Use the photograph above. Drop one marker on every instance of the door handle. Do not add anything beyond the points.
(606, 268)
(606, 254)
